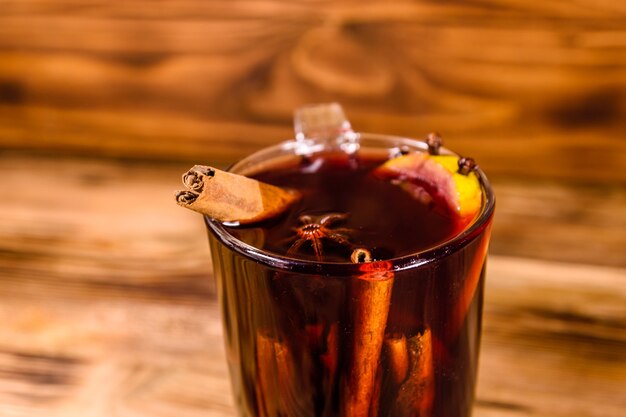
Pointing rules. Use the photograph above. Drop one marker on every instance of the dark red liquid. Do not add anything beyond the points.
(381, 217)
(334, 340)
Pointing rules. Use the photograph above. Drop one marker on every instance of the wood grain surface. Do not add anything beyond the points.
(108, 306)
(536, 90)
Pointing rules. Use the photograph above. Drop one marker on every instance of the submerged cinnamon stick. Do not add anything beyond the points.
(323, 343)
(294, 392)
(416, 395)
(375, 403)
(266, 378)
(280, 390)
(229, 197)
(371, 293)
(398, 355)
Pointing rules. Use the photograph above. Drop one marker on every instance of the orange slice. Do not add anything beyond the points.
(436, 178)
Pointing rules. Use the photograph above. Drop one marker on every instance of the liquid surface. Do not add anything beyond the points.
(380, 216)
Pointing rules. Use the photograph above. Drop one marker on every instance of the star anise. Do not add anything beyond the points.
(316, 229)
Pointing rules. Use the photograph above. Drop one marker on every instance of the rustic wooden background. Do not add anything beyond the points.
(106, 301)
(535, 90)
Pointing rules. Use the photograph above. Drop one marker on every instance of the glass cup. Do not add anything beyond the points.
(395, 338)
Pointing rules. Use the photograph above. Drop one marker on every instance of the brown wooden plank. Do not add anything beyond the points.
(588, 155)
(68, 222)
(527, 89)
(580, 224)
(554, 340)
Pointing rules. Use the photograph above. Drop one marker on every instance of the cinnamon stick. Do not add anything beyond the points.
(294, 393)
(266, 382)
(229, 197)
(396, 348)
(416, 395)
(375, 403)
(280, 390)
(323, 342)
(371, 292)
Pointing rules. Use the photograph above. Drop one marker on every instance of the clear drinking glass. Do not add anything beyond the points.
(395, 338)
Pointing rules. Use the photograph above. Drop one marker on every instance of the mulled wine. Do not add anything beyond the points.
(363, 299)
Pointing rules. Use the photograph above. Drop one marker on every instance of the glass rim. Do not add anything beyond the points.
(408, 261)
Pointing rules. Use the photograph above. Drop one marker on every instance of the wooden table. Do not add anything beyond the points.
(108, 306)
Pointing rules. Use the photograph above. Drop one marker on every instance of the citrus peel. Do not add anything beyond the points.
(436, 177)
